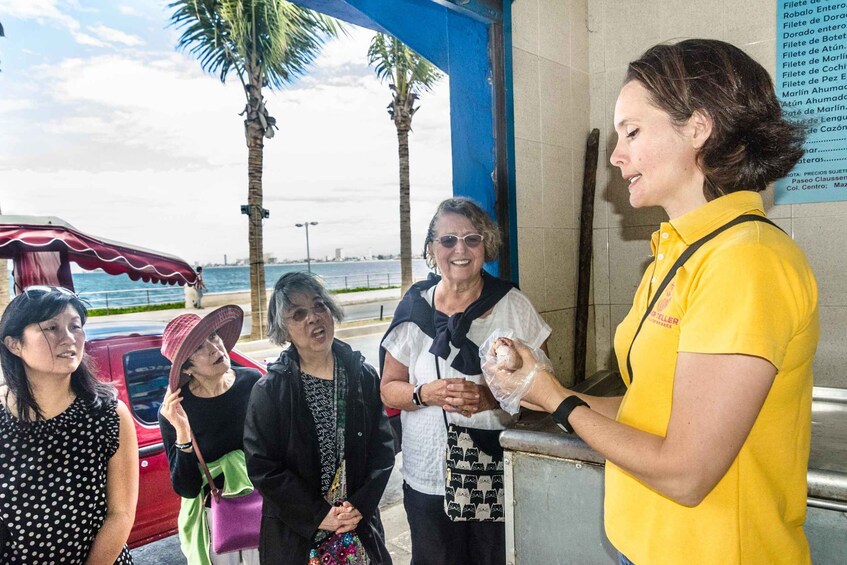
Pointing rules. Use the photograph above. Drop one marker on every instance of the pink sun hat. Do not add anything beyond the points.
(185, 333)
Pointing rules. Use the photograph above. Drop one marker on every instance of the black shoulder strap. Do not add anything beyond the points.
(679, 262)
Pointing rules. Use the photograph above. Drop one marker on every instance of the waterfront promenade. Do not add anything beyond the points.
(363, 330)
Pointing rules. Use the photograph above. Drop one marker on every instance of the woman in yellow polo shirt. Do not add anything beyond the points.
(707, 452)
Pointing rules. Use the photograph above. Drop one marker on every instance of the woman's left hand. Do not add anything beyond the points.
(485, 402)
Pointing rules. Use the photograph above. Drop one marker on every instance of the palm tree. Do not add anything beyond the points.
(408, 74)
(265, 43)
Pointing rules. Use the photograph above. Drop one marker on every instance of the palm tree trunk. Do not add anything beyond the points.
(258, 298)
(405, 210)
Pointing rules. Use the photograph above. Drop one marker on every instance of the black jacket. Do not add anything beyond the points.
(283, 461)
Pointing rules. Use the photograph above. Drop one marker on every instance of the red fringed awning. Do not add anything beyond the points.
(29, 234)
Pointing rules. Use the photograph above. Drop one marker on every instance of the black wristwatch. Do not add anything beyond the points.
(417, 399)
(563, 412)
(181, 446)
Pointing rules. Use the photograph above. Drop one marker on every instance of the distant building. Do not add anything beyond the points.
(339, 253)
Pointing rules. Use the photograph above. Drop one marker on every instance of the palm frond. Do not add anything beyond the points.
(266, 42)
(400, 66)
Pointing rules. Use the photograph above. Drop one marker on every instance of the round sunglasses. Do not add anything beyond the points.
(450, 241)
(301, 314)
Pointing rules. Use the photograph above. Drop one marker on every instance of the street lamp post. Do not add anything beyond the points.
(308, 253)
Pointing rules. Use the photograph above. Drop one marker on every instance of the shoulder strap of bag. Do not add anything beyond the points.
(437, 366)
(213, 489)
(676, 266)
(438, 375)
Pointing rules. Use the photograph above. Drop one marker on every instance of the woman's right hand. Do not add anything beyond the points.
(173, 412)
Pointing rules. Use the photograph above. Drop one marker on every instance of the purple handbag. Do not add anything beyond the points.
(235, 520)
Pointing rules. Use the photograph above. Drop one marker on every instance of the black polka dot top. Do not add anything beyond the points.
(53, 483)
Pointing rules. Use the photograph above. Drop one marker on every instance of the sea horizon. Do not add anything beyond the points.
(337, 275)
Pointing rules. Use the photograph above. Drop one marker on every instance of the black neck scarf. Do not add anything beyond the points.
(449, 330)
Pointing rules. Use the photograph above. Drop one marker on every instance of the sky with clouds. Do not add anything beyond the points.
(106, 125)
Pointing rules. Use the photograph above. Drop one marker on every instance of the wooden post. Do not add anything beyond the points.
(586, 225)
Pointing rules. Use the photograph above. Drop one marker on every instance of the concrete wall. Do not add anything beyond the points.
(551, 93)
(569, 59)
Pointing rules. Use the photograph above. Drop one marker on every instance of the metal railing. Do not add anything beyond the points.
(366, 280)
(115, 299)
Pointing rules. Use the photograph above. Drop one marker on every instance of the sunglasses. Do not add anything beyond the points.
(48, 289)
(301, 314)
(450, 241)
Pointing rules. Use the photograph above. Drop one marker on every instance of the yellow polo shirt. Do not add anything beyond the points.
(748, 291)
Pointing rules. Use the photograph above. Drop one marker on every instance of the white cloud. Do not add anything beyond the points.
(130, 11)
(14, 104)
(85, 39)
(53, 11)
(143, 147)
(113, 35)
(40, 10)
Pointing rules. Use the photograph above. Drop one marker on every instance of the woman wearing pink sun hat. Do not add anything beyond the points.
(208, 392)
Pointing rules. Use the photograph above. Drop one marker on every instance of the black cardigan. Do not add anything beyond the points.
(283, 460)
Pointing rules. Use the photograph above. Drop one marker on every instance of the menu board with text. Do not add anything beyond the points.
(811, 82)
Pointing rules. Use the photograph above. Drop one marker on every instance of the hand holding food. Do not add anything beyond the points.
(507, 357)
(509, 367)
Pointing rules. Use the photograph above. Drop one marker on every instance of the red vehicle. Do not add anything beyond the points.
(127, 355)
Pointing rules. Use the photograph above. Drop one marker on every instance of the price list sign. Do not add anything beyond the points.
(811, 82)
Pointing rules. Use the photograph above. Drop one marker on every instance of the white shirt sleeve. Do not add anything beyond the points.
(399, 343)
(530, 326)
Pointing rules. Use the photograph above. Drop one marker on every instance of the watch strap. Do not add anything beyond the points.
(563, 412)
(417, 399)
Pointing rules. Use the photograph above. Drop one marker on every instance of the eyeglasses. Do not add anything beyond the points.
(450, 241)
(48, 289)
(301, 314)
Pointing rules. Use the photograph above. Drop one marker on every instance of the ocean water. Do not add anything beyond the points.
(96, 286)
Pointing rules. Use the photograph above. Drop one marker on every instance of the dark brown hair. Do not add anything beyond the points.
(466, 207)
(751, 143)
(35, 307)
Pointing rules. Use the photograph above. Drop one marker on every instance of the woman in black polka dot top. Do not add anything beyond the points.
(68, 451)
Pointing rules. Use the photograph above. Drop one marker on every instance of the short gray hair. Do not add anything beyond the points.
(295, 283)
(466, 207)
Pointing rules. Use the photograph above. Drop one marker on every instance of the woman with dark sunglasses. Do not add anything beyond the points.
(319, 447)
(68, 451)
(431, 372)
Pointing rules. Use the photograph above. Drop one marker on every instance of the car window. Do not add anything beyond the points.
(146, 373)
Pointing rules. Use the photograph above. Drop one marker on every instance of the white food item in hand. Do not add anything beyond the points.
(507, 356)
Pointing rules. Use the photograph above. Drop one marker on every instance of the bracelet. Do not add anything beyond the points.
(563, 412)
(417, 399)
(181, 446)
